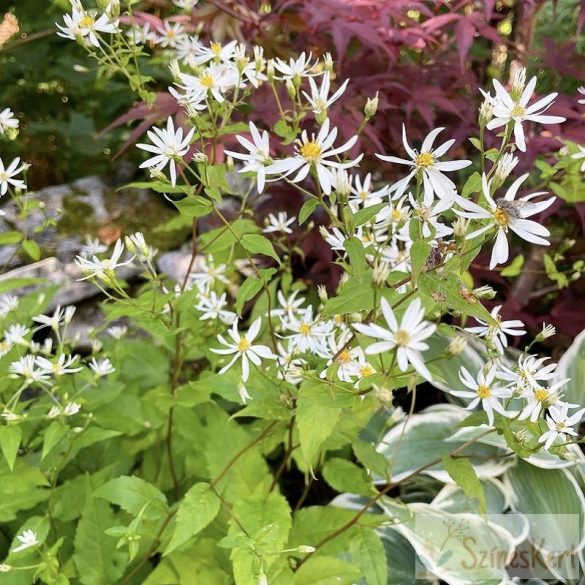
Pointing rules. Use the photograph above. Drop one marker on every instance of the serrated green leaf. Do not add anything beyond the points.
(344, 476)
(257, 244)
(357, 255)
(248, 290)
(307, 210)
(326, 571)
(10, 438)
(55, 432)
(472, 185)
(514, 268)
(193, 207)
(368, 553)
(197, 510)
(419, 253)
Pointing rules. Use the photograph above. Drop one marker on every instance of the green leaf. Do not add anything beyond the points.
(248, 290)
(419, 253)
(370, 458)
(315, 425)
(472, 185)
(135, 496)
(11, 237)
(32, 249)
(514, 268)
(307, 210)
(357, 294)
(344, 476)
(221, 238)
(197, 510)
(327, 571)
(463, 474)
(448, 287)
(95, 556)
(160, 187)
(53, 436)
(257, 244)
(476, 142)
(193, 207)
(357, 255)
(368, 552)
(367, 213)
(10, 438)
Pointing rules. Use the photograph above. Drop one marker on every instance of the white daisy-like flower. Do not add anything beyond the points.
(363, 193)
(92, 247)
(320, 100)
(426, 162)
(504, 167)
(497, 333)
(8, 303)
(169, 146)
(429, 216)
(580, 155)
(288, 305)
(215, 52)
(214, 80)
(408, 337)
(101, 368)
(560, 424)
(295, 68)
(279, 223)
(59, 317)
(117, 331)
(244, 350)
(350, 361)
(513, 108)
(541, 398)
(69, 409)
(104, 269)
(258, 155)
(59, 368)
(7, 121)
(212, 306)
(309, 334)
(140, 34)
(314, 153)
(81, 24)
(16, 334)
(170, 34)
(507, 213)
(206, 273)
(290, 366)
(529, 373)
(136, 244)
(7, 175)
(27, 539)
(25, 368)
(186, 50)
(484, 391)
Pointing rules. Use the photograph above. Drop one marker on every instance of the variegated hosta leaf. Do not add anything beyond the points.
(421, 438)
(452, 499)
(572, 365)
(553, 503)
(451, 546)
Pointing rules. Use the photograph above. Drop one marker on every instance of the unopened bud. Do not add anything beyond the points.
(291, 89)
(518, 82)
(484, 292)
(371, 107)
(460, 227)
(270, 70)
(265, 8)
(175, 69)
(229, 162)
(305, 548)
(547, 331)
(328, 62)
(322, 292)
(486, 111)
(200, 157)
(4, 568)
(504, 167)
(521, 436)
(381, 273)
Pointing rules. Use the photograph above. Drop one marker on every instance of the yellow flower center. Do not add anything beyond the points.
(215, 48)
(484, 391)
(402, 337)
(541, 394)
(206, 81)
(86, 22)
(518, 111)
(344, 357)
(396, 215)
(363, 195)
(310, 151)
(366, 370)
(305, 329)
(501, 217)
(424, 160)
(243, 344)
(560, 426)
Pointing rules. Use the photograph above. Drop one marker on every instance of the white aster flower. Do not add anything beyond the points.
(136, 244)
(320, 100)
(530, 371)
(308, 333)
(169, 146)
(59, 317)
(101, 368)
(215, 52)
(560, 424)
(211, 305)
(27, 539)
(496, 334)
(8, 303)
(363, 193)
(278, 223)
(314, 153)
(483, 390)
(258, 155)
(7, 121)
(186, 51)
(429, 216)
(513, 108)
(295, 68)
(290, 366)
(426, 162)
(580, 155)
(117, 331)
(288, 306)
(206, 274)
(408, 337)
(140, 34)
(241, 346)
(92, 247)
(541, 398)
(507, 213)
(505, 166)
(104, 269)
(16, 333)
(170, 34)
(59, 368)
(350, 361)
(85, 26)
(25, 368)
(7, 176)
(216, 80)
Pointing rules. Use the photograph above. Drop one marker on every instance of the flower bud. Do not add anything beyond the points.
(4, 568)
(547, 331)
(265, 8)
(371, 107)
(322, 292)
(200, 157)
(486, 111)
(518, 82)
(305, 548)
(175, 69)
(270, 70)
(504, 167)
(484, 292)
(229, 163)
(460, 227)
(328, 62)
(291, 89)
(381, 273)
